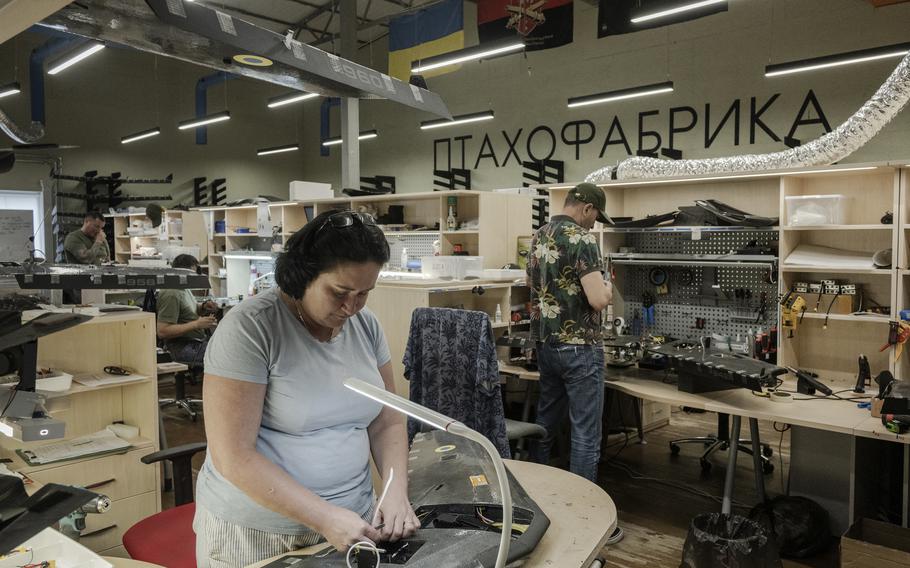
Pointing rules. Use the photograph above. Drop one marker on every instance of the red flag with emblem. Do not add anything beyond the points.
(542, 23)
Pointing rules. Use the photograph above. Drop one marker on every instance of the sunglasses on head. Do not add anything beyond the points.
(344, 219)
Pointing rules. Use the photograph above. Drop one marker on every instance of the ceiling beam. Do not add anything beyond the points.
(16, 16)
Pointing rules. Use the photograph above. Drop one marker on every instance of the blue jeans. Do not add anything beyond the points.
(572, 376)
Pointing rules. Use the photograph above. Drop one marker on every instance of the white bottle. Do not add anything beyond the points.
(451, 223)
(498, 317)
(404, 258)
(254, 274)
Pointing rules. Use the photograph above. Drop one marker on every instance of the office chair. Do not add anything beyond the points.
(450, 362)
(721, 441)
(167, 538)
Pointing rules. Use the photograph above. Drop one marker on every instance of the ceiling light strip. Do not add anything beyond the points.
(197, 122)
(277, 149)
(482, 51)
(140, 135)
(837, 60)
(76, 58)
(677, 10)
(9, 89)
(621, 94)
(365, 135)
(291, 98)
(460, 119)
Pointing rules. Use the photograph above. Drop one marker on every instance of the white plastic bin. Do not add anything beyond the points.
(51, 545)
(456, 267)
(809, 210)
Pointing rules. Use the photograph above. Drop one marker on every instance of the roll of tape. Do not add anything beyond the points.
(124, 431)
(619, 322)
(777, 396)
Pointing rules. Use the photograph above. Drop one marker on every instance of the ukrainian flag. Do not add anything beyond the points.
(436, 30)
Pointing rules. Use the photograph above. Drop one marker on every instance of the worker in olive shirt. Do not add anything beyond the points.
(87, 245)
(180, 324)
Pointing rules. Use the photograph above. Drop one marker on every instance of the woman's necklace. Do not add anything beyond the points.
(307, 326)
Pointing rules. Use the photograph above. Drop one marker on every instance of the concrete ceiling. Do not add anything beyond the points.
(316, 22)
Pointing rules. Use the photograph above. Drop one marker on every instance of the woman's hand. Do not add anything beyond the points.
(396, 516)
(344, 528)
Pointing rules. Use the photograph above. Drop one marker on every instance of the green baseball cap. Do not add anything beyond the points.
(590, 193)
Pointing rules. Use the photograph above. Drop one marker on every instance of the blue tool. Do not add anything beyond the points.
(864, 405)
(647, 309)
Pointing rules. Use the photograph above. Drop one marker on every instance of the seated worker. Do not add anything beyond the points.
(87, 245)
(182, 322)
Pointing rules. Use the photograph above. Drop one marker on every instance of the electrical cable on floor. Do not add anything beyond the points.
(780, 455)
(670, 483)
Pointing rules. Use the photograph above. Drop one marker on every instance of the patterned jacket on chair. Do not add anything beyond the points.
(450, 362)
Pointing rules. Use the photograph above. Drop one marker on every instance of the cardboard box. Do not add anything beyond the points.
(876, 407)
(842, 304)
(873, 544)
(309, 190)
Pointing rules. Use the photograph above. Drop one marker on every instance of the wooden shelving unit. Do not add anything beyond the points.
(126, 340)
(501, 219)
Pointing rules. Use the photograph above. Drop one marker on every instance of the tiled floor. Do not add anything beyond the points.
(654, 511)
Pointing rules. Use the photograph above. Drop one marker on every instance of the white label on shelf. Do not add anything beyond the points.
(696, 234)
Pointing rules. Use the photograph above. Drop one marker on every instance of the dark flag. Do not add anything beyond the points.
(542, 23)
(615, 17)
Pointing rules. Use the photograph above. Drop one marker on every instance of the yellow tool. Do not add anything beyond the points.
(792, 308)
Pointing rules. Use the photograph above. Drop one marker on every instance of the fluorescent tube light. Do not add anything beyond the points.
(671, 11)
(482, 51)
(277, 149)
(365, 135)
(837, 60)
(291, 98)
(9, 89)
(196, 122)
(76, 58)
(621, 94)
(140, 135)
(460, 119)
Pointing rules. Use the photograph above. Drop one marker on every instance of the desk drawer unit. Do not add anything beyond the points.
(120, 476)
(106, 531)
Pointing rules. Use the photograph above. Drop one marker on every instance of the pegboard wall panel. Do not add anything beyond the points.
(418, 244)
(700, 291)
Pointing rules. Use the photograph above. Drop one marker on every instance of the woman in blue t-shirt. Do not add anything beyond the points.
(288, 445)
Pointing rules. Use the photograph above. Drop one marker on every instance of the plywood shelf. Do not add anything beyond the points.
(836, 270)
(847, 317)
(878, 227)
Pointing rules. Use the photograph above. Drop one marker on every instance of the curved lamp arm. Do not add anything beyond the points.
(443, 422)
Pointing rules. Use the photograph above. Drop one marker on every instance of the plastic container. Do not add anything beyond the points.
(456, 267)
(808, 210)
(219, 226)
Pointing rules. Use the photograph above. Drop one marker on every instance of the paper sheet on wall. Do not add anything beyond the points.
(263, 220)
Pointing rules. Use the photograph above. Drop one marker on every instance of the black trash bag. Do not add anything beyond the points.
(716, 540)
(800, 526)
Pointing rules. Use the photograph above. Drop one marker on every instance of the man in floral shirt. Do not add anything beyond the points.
(568, 294)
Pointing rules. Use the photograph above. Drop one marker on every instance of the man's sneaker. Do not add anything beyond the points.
(616, 536)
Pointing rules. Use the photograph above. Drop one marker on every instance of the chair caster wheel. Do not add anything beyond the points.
(705, 465)
(767, 468)
(674, 449)
(767, 451)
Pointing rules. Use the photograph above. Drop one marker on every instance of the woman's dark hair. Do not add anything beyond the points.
(321, 246)
(185, 261)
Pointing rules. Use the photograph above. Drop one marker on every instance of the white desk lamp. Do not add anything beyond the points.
(443, 422)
